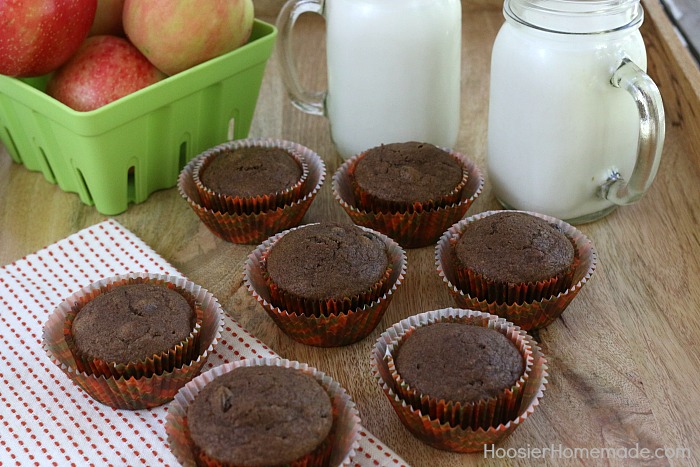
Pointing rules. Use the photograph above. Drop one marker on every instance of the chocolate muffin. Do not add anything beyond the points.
(459, 362)
(261, 416)
(394, 177)
(131, 323)
(513, 257)
(251, 171)
(327, 262)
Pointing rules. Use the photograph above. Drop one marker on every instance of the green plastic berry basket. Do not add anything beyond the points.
(126, 150)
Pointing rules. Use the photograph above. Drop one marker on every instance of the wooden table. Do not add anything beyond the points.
(624, 357)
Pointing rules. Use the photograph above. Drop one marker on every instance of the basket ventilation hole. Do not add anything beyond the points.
(183, 155)
(88, 195)
(131, 183)
(12, 143)
(231, 129)
(51, 175)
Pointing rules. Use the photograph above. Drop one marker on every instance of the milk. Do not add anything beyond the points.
(557, 127)
(393, 72)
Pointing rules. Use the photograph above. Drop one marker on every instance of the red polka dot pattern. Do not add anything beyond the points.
(44, 418)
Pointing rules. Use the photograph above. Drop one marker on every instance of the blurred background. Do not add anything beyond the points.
(685, 15)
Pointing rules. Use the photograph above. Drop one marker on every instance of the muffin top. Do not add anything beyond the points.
(327, 260)
(408, 172)
(513, 247)
(260, 415)
(251, 171)
(130, 323)
(458, 362)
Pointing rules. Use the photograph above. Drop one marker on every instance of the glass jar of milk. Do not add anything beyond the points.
(393, 70)
(575, 127)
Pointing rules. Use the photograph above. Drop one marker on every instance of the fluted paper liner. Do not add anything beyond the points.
(430, 429)
(134, 392)
(253, 204)
(411, 229)
(533, 314)
(331, 330)
(369, 202)
(479, 414)
(346, 420)
(255, 227)
(319, 457)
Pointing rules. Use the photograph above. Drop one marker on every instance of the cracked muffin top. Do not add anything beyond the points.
(130, 323)
(459, 362)
(514, 247)
(327, 261)
(260, 415)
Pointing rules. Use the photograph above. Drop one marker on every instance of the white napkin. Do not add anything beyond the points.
(44, 417)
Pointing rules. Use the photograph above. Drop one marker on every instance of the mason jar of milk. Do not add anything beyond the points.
(575, 127)
(394, 69)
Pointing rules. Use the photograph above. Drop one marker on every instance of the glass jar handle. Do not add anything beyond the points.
(652, 130)
(306, 101)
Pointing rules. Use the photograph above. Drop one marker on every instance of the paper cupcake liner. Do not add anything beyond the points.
(479, 414)
(133, 393)
(319, 457)
(473, 283)
(411, 229)
(431, 430)
(253, 204)
(332, 330)
(344, 437)
(369, 202)
(167, 360)
(528, 315)
(256, 227)
(295, 304)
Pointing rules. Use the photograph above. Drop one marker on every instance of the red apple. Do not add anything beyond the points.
(178, 34)
(103, 70)
(108, 18)
(38, 36)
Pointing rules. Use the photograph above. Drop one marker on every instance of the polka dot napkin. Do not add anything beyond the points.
(45, 419)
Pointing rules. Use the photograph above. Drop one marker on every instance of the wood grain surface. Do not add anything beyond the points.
(625, 356)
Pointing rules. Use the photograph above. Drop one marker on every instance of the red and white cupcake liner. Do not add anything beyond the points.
(254, 227)
(151, 386)
(436, 424)
(345, 432)
(411, 228)
(324, 330)
(540, 307)
(253, 204)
